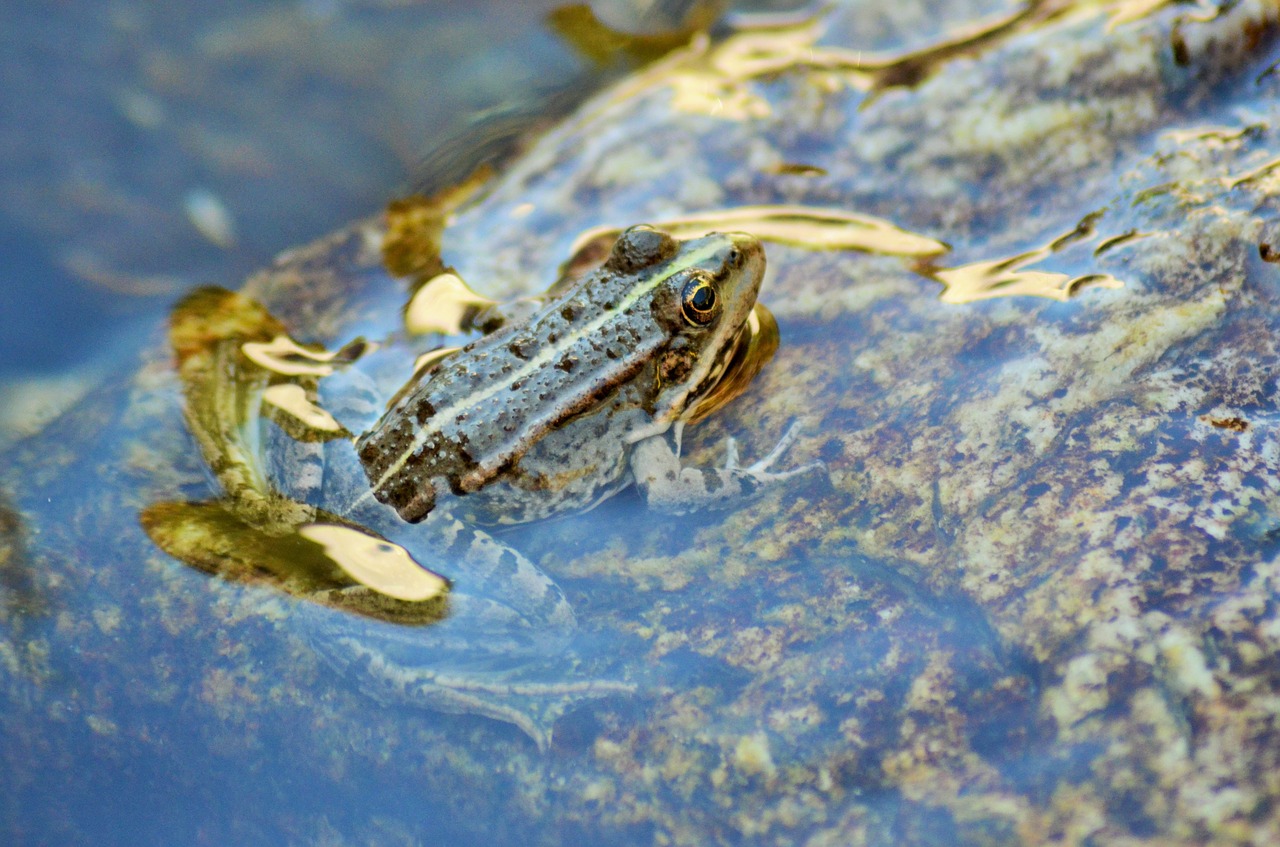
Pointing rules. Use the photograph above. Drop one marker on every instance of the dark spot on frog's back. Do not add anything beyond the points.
(639, 247)
(411, 497)
(368, 452)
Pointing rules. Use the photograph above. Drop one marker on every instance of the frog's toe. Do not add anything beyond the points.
(668, 487)
(760, 471)
(779, 450)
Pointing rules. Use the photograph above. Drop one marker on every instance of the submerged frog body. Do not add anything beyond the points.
(560, 405)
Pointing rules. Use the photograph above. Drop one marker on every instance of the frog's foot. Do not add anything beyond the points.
(501, 649)
(530, 687)
(667, 487)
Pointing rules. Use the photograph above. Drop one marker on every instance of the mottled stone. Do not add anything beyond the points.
(1036, 603)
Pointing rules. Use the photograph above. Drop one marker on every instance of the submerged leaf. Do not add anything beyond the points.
(300, 561)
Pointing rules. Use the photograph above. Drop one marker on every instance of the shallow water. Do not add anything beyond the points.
(1033, 603)
(151, 148)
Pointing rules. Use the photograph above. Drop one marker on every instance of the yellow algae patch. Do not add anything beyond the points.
(1185, 664)
(108, 620)
(101, 726)
(752, 757)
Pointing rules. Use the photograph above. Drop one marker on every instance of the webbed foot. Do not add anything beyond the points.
(667, 487)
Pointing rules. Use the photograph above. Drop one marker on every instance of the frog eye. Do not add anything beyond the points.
(698, 301)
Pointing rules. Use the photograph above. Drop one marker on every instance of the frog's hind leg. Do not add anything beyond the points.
(403, 666)
(507, 577)
(505, 651)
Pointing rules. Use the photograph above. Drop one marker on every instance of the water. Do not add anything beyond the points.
(291, 117)
(1034, 601)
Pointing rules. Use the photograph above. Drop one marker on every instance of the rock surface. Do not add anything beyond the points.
(1036, 604)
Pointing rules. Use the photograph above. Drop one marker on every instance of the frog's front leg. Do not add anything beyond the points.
(668, 487)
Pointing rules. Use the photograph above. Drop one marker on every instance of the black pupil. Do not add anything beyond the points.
(704, 297)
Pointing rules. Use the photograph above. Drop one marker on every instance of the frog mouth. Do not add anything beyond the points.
(754, 347)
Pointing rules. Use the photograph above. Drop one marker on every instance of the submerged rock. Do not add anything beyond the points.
(1037, 601)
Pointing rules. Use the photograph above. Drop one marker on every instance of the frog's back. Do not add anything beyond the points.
(627, 347)
(472, 419)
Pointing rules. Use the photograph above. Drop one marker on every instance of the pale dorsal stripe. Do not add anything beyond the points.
(541, 360)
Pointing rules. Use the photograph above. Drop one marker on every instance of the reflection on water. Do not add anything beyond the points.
(382, 566)
(262, 531)
(1011, 278)
(714, 80)
(322, 562)
(810, 227)
(643, 31)
(444, 304)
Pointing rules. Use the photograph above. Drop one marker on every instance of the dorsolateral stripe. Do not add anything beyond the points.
(542, 359)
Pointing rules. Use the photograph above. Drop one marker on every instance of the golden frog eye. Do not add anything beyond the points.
(698, 301)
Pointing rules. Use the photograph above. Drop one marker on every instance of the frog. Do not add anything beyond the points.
(560, 410)
(562, 402)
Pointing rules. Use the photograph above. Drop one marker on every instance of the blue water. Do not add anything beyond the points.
(104, 129)
(111, 114)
